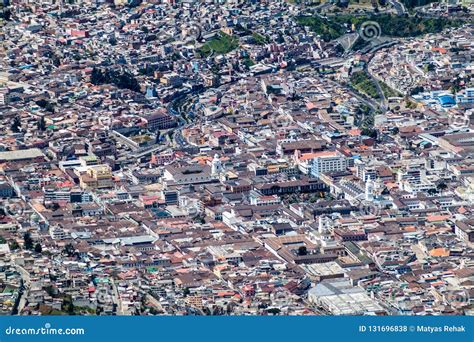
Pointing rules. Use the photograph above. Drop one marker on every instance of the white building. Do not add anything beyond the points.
(325, 162)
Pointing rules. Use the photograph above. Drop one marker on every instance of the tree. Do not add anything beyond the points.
(7, 14)
(68, 306)
(134, 3)
(456, 87)
(38, 248)
(417, 90)
(429, 67)
(56, 61)
(302, 250)
(410, 105)
(69, 250)
(42, 124)
(442, 186)
(370, 132)
(122, 79)
(14, 245)
(49, 107)
(273, 311)
(45, 104)
(200, 219)
(97, 77)
(28, 241)
(16, 125)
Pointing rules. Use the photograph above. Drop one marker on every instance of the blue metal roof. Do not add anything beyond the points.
(446, 100)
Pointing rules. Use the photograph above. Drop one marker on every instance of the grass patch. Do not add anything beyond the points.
(417, 3)
(260, 39)
(387, 91)
(364, 84)
(390, 25)
(222, 44)
(328, 30)
(248, 62)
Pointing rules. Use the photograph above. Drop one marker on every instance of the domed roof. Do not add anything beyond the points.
(34, 217)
